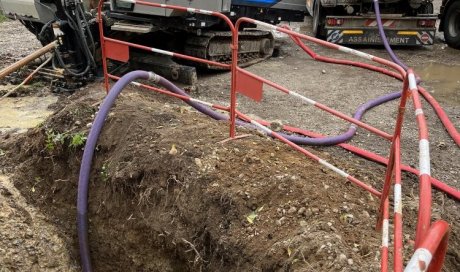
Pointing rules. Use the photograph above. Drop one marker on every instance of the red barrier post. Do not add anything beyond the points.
(424, 213)
(431, 252)
(393, 151)
(102, 41)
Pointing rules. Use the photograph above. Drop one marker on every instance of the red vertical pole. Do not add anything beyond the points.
(391, 159)
(102, 41)
(398, 247)
(233, 86)
(424, 212)
(385, 236)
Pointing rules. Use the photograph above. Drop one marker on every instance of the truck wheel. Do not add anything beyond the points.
(452, 25)
(318, 20)
(426, 9)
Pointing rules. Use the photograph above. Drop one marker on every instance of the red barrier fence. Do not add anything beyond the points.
(431, 239)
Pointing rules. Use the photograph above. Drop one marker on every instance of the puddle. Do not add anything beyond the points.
(20, 114)
(442, 81)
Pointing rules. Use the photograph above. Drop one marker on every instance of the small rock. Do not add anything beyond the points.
(198, 162)
(280, 221)
(77, 123)
(276, 126)
(89, 125)
(301, 211)
(342, 258)
(442, 145)
(323, 71)
(350, 261)
(292, 210)
(303, 223)
(173, 150)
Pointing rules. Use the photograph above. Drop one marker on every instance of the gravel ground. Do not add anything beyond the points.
(339, 87)
(15, 42)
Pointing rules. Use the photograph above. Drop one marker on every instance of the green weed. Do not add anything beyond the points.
(53, 139)
(77, 140)
(3, 18)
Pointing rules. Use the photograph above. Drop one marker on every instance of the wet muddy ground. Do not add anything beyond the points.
(228, 193)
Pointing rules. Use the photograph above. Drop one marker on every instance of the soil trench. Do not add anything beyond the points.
(165, 195)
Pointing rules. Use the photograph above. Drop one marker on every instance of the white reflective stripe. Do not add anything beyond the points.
(385, 233)
(333, 168)
(192, 10)
(419, 261)
(388, 23)
(397, 199)
(128, 1)
(265, 24)
(355, 52)
(263, 128)
(418, 112)
(154, 77)
(424, 160)
(354, 126)
(412, 82)
(136, 83)
(201, 102)
(303, 98)
(159, 51)
(203, 11)
(163, 5)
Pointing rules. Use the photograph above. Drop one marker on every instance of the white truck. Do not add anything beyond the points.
(406, 22)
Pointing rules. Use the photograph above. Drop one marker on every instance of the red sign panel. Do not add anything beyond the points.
(117, 51)
(249, 86)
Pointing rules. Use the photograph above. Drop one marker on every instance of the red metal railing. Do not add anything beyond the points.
(431, 240)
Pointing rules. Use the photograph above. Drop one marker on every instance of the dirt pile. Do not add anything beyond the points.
(165, 195)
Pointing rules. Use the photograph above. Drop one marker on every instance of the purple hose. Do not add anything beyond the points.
(85, 169)
(333, 140)
(384, 37)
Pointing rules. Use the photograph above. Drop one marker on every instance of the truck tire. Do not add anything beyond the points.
(452, 25)
(427, 8)
(318, 20)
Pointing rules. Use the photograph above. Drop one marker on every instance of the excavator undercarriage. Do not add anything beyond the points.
(74, 24)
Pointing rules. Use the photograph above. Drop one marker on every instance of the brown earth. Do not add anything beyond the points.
(153, 211)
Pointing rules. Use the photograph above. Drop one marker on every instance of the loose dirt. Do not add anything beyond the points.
(249, 204)
(150, 210)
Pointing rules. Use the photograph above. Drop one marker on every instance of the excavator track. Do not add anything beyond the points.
(254, 46)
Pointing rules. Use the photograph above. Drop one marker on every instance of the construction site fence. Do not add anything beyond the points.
(431, 239)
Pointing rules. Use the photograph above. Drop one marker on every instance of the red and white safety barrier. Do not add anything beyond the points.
(431, 241)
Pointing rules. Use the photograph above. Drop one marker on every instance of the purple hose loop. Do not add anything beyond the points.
(333, 140)
(85, 169)
(384, 37)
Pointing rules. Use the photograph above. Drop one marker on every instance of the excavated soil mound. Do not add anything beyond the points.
(166, 195)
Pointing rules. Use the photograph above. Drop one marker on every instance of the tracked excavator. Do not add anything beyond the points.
(74, 23)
